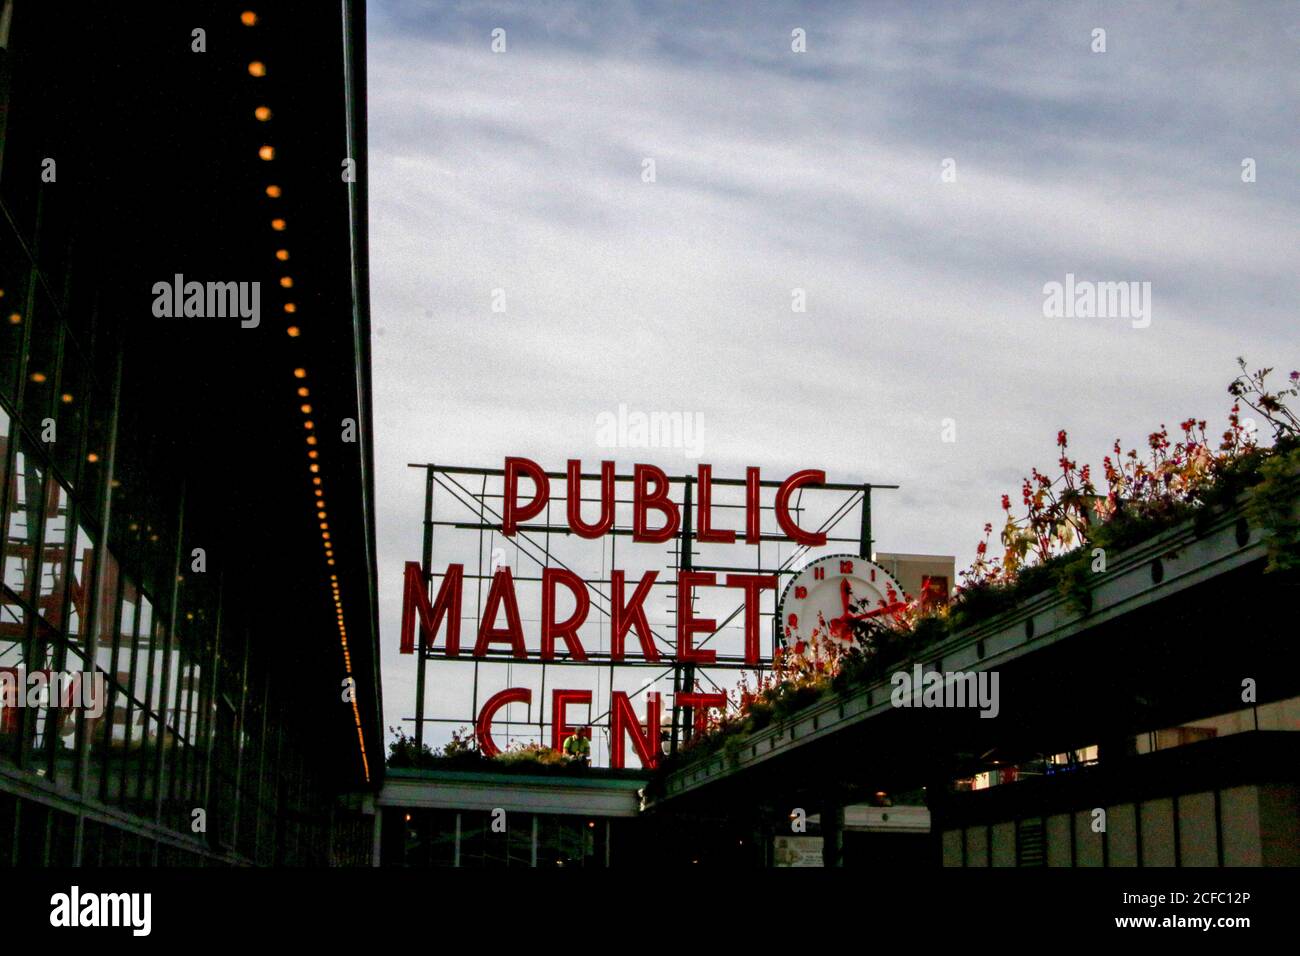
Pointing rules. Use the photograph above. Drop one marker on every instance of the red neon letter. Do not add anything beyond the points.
(699, 705)
(643, 499)
(574, 485)
(560, 729)
(415, 600)
(705, 532)
(622, 616)
(752, 584)
(568, 630)
(687, 623)
(501, 592)
(753, 512)
(624, 719)
(483, 728)
(541, 494)
(792, 484)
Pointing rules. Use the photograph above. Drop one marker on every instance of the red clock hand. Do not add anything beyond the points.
(840, 624)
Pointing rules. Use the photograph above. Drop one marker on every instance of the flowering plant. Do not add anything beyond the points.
(1176, 477)
(1172, 480)
(532, 752)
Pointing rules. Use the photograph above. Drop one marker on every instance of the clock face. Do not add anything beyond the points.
(830, 592)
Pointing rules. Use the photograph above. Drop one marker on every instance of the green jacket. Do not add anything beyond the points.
(576, 745)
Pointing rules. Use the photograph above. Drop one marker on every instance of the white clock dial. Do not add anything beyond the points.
(828, 593)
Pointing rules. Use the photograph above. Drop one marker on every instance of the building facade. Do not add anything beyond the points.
(188, 638)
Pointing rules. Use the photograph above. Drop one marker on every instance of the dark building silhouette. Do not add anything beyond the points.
(188, 508)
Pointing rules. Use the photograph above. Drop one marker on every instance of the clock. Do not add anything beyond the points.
(829, 593)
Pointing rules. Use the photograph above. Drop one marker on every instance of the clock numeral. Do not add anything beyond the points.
(800, 592)
(793, 620)
(819, 574)
(873, 574)
(846, 567)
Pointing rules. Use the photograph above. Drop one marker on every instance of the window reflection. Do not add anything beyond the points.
(14, 271)
(79, 587)
(22, 525)
(42, 360)
(144, 726)
(119, 732)
(12, 630)
(4, 432)
(71, 407)
(50, 693)
(54, 554)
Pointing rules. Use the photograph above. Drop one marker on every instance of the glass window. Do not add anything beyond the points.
(167, 745)
(22, 525)
(82, 692)
(99, 727)
(121, 703)
(42, 360)
(70, 412)
(80, 592)
(79, 653)
(429, 836)
(95, 462)
(63, 828)
(13, 629)
(111, 846)
(107, 604)
(43, 718)
(33, 819)
(4, 455)
(189, 690)
(54, 556)
(144, 726)
(565, 841)
(15, 272)
(520, 840)
(92, 839)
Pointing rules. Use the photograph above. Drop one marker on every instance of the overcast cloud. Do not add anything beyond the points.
(821, 171)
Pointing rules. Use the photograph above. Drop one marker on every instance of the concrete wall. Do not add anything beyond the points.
(1253, 825)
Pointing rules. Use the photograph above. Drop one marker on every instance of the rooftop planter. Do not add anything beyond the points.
(1074, 556)
(460, 753)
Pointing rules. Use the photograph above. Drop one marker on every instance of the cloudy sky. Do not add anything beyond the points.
(519, 177)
